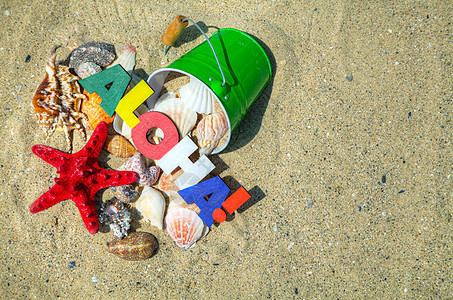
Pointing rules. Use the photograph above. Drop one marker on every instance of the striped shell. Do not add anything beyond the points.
(197, 97)
(57, 101)
(120, 146)
(184, 226)
(210, 130)
(91, 106)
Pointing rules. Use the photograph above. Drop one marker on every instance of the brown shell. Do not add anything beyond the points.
(135, 246)
(57, 101)
(120, 146)
(92, 108)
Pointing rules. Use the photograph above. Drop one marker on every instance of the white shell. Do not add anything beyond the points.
(151, 206)
(122, 128)
(184, 226)
(126, 59)
(198, 97)
(183, 117)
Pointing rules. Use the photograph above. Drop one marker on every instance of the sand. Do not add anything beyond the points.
(347, 156)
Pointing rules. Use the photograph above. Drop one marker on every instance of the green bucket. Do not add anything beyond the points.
(242, 72)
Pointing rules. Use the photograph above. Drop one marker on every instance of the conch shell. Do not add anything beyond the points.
(151, 206)
(91, 106)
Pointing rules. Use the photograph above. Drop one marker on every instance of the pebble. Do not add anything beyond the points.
(27, 59)
(94, 279)
(135, 246)
(7, 13)
(349, 77)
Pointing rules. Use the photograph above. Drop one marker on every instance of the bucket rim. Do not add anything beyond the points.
(219, 149)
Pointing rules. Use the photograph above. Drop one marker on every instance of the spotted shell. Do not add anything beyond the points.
(147, 176)
(91, 106)
(135, 246)
(120, 146)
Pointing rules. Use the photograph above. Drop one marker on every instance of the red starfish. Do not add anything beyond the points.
(80, 177)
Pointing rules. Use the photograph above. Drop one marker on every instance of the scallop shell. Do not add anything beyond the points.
(151, 206)
(136, 246)
(197, 97)
(210, 130)
(184, 226)
(167, 182)
(147, 176)
(183, 117)
(126, 59)
(120, 146)
(91, 106)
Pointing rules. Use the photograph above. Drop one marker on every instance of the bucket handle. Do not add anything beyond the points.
(213, 51)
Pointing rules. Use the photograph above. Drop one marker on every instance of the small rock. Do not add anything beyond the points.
(349, 77)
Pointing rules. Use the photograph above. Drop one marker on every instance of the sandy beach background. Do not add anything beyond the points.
(347, 155)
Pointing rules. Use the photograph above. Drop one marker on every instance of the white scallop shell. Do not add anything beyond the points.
(184, 226)
(151, 206)
(126, 59)
(183, 117)
(198, 97)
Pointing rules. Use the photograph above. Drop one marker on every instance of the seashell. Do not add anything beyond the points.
(120, 146)
(151, 206)
(116, 215)
(210, 130)
(177, 201)
(91, 106)
(122, 128)
(197, 97)
(98, 53)
(126, 59)
(183, 117)
(184, 226)
(57, 101)
(135, 246)
(125, 193)
(147, 176)
(167, 182)
(86, 69)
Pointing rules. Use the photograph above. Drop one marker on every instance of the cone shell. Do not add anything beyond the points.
(184, 226)
(135, 246)
(183, 117)
(151, 206)
(120, 146)
(91, 106)
(198, 97)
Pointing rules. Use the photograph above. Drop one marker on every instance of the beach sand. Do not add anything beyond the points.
(347, 156)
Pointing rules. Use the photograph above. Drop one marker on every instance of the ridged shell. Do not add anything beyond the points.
(213, 126)
(197, 97)
(167, 182)
(151, 206)
(147, 176)
(126, 59)
(120, 146)
(95, 113)
(135, 246)
(183, 117)
(184, 226)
